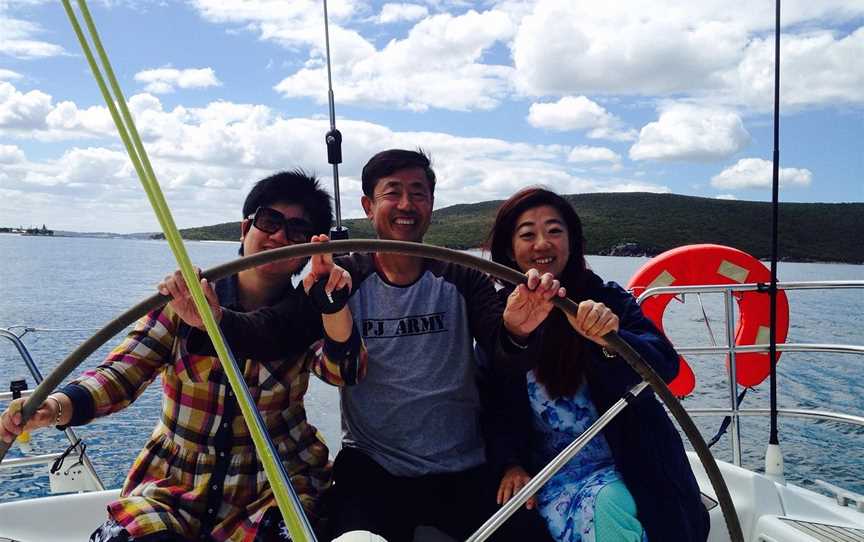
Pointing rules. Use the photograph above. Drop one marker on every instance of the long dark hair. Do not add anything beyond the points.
(560, 368)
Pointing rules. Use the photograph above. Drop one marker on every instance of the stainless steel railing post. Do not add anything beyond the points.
(37, 376)
(734, 433)
(497, 519)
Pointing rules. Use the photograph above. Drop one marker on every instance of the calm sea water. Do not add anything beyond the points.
(72, 286)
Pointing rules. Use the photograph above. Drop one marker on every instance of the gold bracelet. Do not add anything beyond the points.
(59, 409)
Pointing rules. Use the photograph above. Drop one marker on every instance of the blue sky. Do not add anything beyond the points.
(660, 96)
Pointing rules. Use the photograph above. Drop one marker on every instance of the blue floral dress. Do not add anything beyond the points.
(567, 501)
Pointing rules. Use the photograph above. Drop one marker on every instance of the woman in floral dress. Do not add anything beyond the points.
(632, 482)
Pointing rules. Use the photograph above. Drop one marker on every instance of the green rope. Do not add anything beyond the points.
(286, 498)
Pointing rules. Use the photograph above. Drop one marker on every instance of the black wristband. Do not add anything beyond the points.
(323, 303)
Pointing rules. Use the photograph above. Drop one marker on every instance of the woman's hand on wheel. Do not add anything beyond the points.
(530, 303)
(10, 420)
(593, 320)
(513, 480)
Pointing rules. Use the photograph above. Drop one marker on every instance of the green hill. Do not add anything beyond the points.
(828, 232)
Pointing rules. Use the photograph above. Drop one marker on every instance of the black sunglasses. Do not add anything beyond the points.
(270, 221)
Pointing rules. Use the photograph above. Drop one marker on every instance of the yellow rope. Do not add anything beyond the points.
(286, 498)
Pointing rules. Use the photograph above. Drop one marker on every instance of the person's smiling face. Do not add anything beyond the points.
(256, 240)
(541, 241)
(401, 205)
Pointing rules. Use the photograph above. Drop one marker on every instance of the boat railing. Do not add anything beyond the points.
(730, 349)
(75, 443)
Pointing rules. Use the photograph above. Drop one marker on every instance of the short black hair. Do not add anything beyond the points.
(293, 187)
(392, 160)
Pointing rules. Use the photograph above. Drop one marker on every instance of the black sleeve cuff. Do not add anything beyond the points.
(338, 352)
(198, 342)
(83, 408)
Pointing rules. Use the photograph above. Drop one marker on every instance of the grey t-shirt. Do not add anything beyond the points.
(417, 410)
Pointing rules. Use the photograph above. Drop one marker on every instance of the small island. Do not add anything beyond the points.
(29, 231)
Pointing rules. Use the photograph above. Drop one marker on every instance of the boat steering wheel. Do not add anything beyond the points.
(498, 271)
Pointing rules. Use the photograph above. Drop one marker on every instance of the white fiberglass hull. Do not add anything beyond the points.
(60, 518)
(774, 512)
(768, 511)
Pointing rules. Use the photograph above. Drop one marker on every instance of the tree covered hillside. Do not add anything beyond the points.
(653, 223)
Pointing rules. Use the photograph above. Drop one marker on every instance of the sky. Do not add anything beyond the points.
(656, 96)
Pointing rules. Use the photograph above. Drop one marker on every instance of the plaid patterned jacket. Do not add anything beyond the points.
(198, 475)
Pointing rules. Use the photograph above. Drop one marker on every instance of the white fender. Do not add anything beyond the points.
(359, 536)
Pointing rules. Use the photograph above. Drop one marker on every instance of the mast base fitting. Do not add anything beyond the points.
(774, 463)
(339, 233)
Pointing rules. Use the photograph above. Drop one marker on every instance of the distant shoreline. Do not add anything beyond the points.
(137, 237)
(638, 224)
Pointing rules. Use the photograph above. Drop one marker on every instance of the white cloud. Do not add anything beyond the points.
(10, 154)
(86, 170)
(816, 68)
(622, 47)
(691, 133)
(758, 173)
(282, 13)
(9, 75)
(207, 158)
(584, 153)
(713, 50)
(634, 186)
(95, 166)
(165, 80)
(29, 48)
(726, 196)
(17, 38)
(437, 65)
(22, 111)
(577, 113)
(34, 115)
(705, 53)
(293, 24)
(66, 116)
(392, 13)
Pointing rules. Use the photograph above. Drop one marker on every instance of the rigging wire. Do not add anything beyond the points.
(775, 207)
(724, 425)
(706, 320)
(333, 139)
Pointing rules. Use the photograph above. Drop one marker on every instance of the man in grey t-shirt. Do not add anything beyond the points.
(413, 452)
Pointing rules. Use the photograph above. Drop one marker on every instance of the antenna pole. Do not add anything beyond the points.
(773, 455)
(333, 139)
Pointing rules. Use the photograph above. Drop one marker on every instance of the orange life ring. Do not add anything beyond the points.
(716, 264)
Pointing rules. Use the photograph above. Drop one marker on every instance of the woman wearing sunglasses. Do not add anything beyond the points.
(633, 481)
(198, 477)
